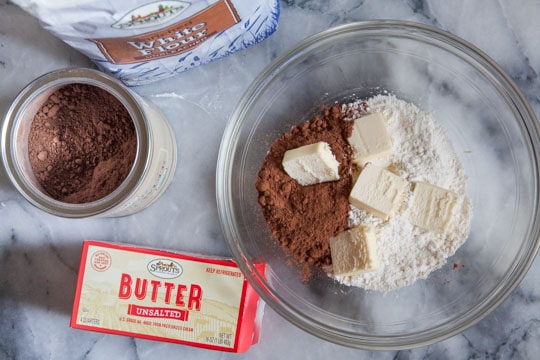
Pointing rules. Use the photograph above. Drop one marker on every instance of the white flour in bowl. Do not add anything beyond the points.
(421, 152)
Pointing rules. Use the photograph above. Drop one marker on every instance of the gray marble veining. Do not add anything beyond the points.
(39, 253)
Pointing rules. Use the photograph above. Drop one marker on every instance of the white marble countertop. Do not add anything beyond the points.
(39, 253)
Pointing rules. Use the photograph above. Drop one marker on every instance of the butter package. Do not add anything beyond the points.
(141, 41)
(165, 296)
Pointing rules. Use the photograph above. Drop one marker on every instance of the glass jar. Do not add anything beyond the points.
(152, 169)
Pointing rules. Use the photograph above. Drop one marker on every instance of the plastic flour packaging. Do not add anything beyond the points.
(142, 41)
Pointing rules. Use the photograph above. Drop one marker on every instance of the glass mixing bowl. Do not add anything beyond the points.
(493, 130)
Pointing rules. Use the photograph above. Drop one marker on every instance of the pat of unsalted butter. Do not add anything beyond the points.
(354, 251)
(369, 138)
(432, 207)
(167, 296)
(311, 164)
(378, 191)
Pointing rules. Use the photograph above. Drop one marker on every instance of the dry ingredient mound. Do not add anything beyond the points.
(304, 218)
(421, 152)
(82, 144)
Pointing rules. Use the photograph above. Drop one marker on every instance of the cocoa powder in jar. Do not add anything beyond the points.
(303, 218)
(82, 144)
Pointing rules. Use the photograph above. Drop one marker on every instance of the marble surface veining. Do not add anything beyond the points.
(39, 253)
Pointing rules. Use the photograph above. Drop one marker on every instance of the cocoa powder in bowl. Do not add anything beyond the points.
(82, 144)
(303, 218)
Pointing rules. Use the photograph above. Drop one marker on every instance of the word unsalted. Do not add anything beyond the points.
(167, 296)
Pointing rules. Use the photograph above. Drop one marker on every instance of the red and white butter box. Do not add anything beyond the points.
(166, 296)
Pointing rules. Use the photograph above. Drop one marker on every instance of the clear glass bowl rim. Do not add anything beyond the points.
(459, 47)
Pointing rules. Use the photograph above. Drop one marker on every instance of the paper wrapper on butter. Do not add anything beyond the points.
(166, 296)
(140, 41)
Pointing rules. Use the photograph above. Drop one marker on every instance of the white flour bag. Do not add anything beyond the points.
(143, 41)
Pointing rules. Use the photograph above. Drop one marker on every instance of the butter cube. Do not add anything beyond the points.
(378, 191)
(311, 164)
(369, 138)
(432, 207)
(354, 251)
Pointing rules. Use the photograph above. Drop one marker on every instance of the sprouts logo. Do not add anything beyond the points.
(165, 268)
(151, 14)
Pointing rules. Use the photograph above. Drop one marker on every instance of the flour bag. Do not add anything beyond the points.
(141, 41)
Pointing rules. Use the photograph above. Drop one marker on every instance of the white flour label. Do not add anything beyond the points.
(166, 296)
(171, 40)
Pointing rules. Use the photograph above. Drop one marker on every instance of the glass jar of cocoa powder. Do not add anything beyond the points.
(78, 143)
